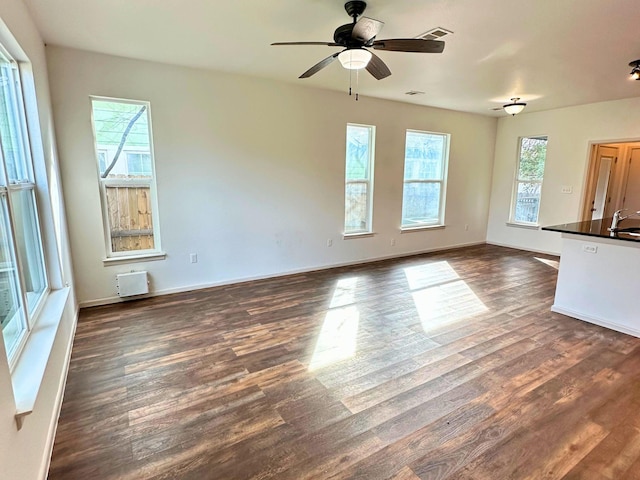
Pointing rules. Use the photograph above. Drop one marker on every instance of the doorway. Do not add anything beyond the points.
(613, 180)
(631, 194)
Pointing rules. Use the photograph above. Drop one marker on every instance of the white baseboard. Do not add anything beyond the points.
(189, 288)
(596, 320)
(535, 250)
(53, 426)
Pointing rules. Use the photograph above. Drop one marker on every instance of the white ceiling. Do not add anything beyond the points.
(552, 53)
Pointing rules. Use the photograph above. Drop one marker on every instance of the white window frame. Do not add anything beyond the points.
(367, 181)
(31, 315)
(442, 181)
(517, 181)
(123, 182)
(98, 152)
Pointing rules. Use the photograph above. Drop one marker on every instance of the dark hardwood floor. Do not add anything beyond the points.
(439, 366)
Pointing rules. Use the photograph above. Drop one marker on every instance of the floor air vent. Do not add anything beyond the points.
(130, 284)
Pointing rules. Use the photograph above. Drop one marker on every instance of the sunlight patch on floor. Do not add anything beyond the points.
(446, 304)
(429, 274)
(337, 340)
(338, 336)
(345, 292)
(552, 263)
(440, 296)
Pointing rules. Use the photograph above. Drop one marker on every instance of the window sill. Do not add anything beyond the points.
(421, 228)
(29, 371)
(147, 257)
(348, 236)
(529, 226)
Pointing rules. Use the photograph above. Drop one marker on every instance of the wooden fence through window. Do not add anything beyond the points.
(130, 218)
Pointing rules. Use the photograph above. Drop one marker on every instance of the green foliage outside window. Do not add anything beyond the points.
(533, 152)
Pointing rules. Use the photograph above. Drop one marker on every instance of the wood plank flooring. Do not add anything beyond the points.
(440, 366)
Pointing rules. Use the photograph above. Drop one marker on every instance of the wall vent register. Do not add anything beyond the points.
(133, 283)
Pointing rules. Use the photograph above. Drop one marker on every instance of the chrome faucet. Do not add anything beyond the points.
(618, 217)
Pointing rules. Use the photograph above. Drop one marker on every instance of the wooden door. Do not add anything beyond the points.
(601, 175)
(631, 198)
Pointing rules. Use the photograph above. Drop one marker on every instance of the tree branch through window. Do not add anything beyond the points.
(123, 140)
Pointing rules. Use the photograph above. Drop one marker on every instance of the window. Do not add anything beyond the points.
(102, 161)
(124, 151)
(358, 179)
(528, 184)
(139, 164)
(425, 170)
(23, 278)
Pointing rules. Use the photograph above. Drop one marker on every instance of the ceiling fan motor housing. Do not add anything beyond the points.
(342, 36)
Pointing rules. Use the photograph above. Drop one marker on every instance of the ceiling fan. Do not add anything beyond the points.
(360, 35)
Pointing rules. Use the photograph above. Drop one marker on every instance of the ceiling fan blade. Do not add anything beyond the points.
(366, 28)
(328, 44)
(377, 67)
(409, 45)
(319, 66)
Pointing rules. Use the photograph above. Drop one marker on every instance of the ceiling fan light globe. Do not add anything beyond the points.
(354, 58)
(635, 74)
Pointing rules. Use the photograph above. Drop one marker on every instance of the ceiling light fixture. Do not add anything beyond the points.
(635, 70)
(354, 58)
(515, 107)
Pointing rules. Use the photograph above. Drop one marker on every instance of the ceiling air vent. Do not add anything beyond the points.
(414, 92)
(435, 34)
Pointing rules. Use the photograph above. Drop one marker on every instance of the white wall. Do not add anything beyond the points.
(24, 454)
(570, 132)
(250, 172)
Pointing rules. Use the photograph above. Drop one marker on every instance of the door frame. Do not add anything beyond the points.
(617, 180)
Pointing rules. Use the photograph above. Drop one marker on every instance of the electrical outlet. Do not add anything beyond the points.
(329, 242)
(590, 249)
(466, 227)
(393, 242)
(193, 257)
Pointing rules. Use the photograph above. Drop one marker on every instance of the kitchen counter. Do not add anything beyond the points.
(600, 228)
(599, 274)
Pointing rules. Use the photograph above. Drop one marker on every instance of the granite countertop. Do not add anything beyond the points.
(599, 228)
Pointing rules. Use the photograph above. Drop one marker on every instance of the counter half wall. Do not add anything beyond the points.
(599, 274)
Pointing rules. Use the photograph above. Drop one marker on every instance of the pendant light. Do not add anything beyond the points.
(515, 107)
(635, 70)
